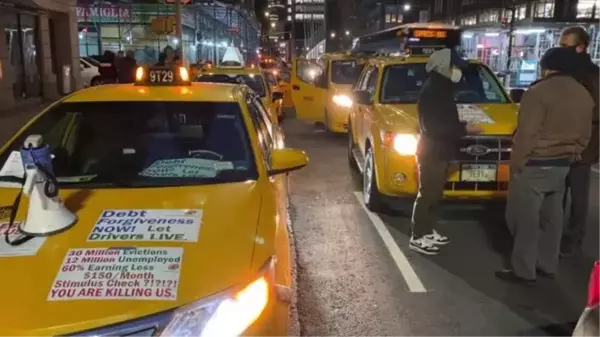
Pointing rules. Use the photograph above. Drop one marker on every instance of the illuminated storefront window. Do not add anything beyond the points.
(588, 9)
(543, 9)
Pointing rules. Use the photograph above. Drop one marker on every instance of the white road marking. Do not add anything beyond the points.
(412, 280)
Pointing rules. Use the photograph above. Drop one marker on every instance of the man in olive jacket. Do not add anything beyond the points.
(578, 179)
(552, 133)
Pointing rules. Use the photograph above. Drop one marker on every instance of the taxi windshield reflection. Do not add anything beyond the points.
(401, 84)
(147, 144)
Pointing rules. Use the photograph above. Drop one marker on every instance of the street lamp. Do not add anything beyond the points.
(406, 7)
(347, 33)
(272, 24)
(267, 14)
(332, 35)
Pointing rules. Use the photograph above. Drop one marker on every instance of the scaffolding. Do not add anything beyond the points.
(209, 27)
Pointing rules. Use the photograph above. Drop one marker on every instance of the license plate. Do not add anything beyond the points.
(478, 172)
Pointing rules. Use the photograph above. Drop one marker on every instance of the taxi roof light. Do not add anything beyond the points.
(139, 74)
(183, 73)
(232, 59)
(162, 76)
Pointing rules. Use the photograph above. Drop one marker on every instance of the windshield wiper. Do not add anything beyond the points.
(12, 179)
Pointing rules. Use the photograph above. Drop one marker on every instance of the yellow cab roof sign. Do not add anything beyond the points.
(232, 58)
(162, 76)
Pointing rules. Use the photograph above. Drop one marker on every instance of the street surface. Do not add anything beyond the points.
(356, 275)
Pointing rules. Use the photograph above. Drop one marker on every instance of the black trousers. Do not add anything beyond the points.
(578, 187)
(433, 173)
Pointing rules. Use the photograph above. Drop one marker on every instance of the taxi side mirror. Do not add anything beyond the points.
(287, 160)
(277, 96)
(516, 95)
(362, 97)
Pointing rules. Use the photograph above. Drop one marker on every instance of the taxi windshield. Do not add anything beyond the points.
(345, 72)
(401, 84)
(255, 82)
(149, 144)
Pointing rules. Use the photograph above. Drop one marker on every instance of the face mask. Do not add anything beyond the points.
(456, 75)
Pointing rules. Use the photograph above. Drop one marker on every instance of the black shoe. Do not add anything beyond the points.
(550, 276)
(507, 275)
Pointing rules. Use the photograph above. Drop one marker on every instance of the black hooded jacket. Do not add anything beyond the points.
(439, 124)
(588, 74)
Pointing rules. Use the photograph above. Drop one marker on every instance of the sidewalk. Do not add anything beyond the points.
(12, 120)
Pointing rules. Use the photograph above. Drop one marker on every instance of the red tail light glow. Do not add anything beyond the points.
(594, 287)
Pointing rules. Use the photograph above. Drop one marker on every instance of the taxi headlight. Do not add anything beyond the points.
(342, 100)
(406, 144)
(226, 315)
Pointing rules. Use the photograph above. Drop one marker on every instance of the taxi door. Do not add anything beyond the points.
(271, 139)
(308, 98)
(364, 112)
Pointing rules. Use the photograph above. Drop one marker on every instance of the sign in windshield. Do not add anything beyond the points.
(402, 84)
(255, 82)
(147, 144)
(345, 72)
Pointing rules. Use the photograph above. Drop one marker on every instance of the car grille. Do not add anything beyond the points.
(482, 150)
(145, 326)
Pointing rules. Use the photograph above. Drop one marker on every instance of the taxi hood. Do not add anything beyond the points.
(200, 247)
(341, 88)
(496, 119)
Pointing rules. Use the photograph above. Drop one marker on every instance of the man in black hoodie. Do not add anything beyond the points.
(440, 131)
(578, 179)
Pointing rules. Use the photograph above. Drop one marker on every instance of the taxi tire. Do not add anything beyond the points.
(326, 122)
(351, 144)
(372, 197)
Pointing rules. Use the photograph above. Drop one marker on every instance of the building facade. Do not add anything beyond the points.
(39, 52)
(534, 26)
(375, 15)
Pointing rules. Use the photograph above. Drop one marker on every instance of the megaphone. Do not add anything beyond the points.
(46, 214)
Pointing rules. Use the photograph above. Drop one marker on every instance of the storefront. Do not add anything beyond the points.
(486, 36)
(207, 31)
(33, 64)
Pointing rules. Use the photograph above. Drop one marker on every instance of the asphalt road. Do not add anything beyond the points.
(356, 276)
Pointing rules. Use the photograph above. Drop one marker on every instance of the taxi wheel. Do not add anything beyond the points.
(371, 194)
(351, 159)
(326, 119)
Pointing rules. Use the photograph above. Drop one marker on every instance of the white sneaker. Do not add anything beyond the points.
(437, 239)
(423, 246)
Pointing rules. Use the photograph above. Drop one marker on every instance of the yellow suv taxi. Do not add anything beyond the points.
(320, 89)
(180, 195)
(383, 131)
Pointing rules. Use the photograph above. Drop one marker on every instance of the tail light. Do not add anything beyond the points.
(594, 287)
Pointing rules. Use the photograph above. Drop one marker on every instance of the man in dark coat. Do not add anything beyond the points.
(440, 132)
(552, 133)
(578, 179)
(127, 68)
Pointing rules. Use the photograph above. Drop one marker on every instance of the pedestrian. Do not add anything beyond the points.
(578, 179)
(127, 68)
(554, 128)
(440, 132)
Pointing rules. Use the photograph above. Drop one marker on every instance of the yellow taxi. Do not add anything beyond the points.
(383, 131)
(320, 89)
(180, 194)
(232, 70)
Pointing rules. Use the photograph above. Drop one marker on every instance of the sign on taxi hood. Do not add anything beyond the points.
(133, 252)
(497, 119)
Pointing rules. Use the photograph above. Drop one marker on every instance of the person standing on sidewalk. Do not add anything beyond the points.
(578, 179)
(554, 127)
(440, 132)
